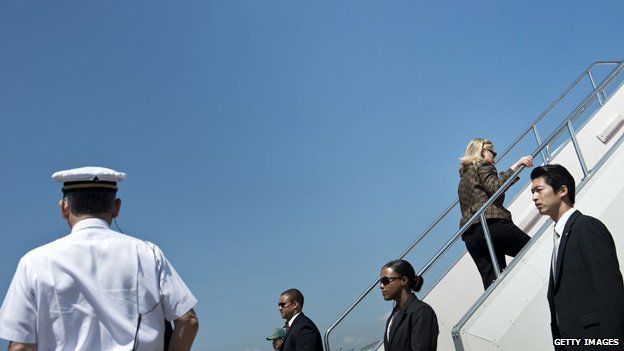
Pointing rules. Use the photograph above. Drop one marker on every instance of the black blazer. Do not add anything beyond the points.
(414, 328)
(586, 297)
(303, 335)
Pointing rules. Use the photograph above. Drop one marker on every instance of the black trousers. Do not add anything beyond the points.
(507, 238)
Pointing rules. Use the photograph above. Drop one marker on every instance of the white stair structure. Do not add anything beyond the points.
(513, 313)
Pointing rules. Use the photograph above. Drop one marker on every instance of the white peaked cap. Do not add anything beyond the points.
(88, 178)
(88, 174)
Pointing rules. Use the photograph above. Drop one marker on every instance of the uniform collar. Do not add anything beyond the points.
(560, 225)
(90, 223)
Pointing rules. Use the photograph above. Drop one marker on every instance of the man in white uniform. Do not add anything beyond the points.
(96, 289)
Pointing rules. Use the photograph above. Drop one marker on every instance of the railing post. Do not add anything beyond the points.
(591, 79)
(490, 245)
(577, 149)
(544, 152)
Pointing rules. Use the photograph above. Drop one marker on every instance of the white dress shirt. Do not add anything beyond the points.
(292, 319)
(558, 232)
(85, 291)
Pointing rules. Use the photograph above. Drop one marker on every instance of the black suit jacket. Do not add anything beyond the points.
(414, 328)
(303, 335)
(586, 296)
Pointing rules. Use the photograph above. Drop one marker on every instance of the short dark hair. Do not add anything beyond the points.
(556, 176)
(90, 202)
(405, 269)
(294, 295)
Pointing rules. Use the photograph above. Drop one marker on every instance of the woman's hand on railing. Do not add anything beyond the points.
(526, 161)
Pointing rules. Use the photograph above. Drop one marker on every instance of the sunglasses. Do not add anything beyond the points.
(387, 280)
(493, 152)
(283, 304)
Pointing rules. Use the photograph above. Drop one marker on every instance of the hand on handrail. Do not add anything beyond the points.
(526, 161)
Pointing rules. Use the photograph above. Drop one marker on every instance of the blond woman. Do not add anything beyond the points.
(479, 180)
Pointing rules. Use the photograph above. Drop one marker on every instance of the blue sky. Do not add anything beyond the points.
(273, 144)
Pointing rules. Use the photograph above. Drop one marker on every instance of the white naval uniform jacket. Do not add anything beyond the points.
(85, 291)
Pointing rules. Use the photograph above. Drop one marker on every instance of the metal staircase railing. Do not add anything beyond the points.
(597, 93)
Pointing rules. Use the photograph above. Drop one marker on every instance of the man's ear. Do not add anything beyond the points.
(562, 192)
(64, 207)
(116, 207)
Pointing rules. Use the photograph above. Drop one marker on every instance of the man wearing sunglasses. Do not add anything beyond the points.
(301, 333)
(96, 288)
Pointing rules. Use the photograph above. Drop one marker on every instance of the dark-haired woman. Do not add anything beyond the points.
(412, 325)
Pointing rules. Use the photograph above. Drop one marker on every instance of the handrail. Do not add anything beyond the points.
(554, 103)
(503, 187)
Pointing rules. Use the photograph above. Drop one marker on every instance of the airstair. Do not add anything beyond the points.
(585, 128)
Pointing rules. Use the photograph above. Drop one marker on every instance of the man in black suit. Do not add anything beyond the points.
(301, 333)
(585, 292)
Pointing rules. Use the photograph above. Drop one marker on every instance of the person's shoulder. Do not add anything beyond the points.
(471, 170)
(420, 306)
(35, 257)
(480, 164)
(142, 245)
(483, 164)
(305, 320)
(127, 237)
(44, 249)
(586, 220)
(112, 234)
(481, 167)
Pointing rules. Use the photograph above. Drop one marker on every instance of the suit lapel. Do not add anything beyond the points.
(551, 284)
(291, 327)
(562, 245)
(399, 317)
